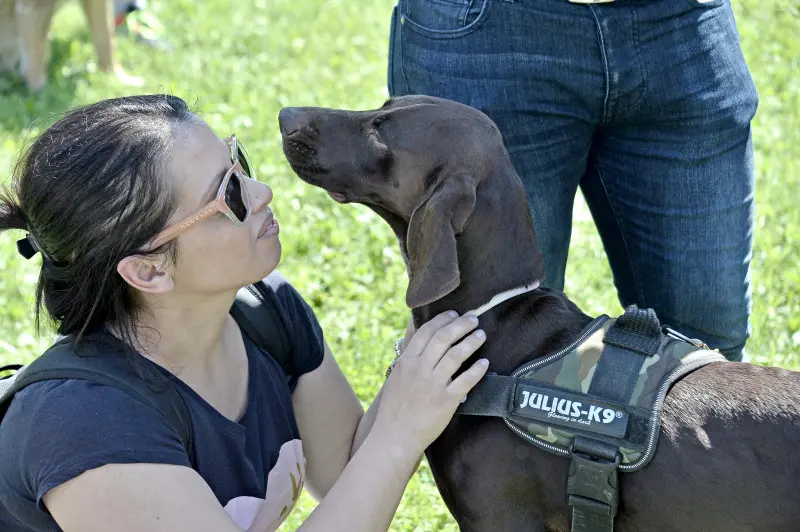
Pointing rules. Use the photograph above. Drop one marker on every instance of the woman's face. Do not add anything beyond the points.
(214, 254)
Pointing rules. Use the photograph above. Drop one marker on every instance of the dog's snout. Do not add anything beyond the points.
(293, 119)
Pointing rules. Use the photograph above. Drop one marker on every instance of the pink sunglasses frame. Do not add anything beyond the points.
(214, 206)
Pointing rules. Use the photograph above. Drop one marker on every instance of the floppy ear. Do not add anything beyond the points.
(431, 243)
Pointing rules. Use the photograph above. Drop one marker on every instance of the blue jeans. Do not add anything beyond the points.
(644, 104)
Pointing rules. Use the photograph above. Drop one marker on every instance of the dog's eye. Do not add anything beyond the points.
(378, 120)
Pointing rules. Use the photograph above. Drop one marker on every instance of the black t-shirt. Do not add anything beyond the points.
(55, 430)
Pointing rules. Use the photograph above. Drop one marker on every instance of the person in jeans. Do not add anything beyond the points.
(644, 104)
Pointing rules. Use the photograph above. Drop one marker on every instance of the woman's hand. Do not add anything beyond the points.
(420, 396)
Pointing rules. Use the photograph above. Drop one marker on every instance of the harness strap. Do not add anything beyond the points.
(634, 337)
(593, 485)
(616, 374)
(491, 397)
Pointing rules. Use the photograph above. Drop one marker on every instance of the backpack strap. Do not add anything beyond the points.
(256, 311)
(6, 383)
(112, 368)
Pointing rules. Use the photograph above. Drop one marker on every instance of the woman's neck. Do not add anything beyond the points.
(186, 334)
(198, 341)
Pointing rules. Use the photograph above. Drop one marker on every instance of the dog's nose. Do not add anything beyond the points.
(292, 119)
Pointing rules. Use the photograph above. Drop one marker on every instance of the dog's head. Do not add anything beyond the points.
(418, 162)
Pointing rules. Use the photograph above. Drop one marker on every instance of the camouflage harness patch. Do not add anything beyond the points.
(597, 401)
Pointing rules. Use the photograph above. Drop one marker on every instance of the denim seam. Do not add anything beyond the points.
(605, 63)
(466, 12)
(637, 53)
(636, 282)
(402, 66)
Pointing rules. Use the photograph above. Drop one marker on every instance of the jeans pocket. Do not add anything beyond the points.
(443, 19)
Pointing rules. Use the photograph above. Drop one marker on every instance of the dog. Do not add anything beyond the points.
(24, 26)
(438, 173)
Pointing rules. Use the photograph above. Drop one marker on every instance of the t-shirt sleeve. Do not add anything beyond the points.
(305, 332)
(62, 428)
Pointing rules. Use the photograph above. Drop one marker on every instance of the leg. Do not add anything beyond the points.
(99, 15)
(670, 183)
(9, 42)
(543, 89)
(33, 22)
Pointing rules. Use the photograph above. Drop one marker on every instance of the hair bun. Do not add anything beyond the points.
(11, 215)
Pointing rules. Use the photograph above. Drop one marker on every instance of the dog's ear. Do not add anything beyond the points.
(431, 243)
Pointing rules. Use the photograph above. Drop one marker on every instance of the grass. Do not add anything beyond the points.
(240, 65)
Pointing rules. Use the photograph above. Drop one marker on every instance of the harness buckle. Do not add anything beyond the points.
(592, 483)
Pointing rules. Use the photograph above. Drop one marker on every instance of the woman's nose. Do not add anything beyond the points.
(261, 194)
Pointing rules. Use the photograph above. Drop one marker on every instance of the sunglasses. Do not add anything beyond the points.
(232, 198)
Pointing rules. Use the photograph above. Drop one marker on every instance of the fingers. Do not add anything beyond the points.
(422, 336)
(410, 330)
(456, 355)
(467, 380)
(443, 339)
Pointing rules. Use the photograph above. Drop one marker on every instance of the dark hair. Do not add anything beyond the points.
(91, 191)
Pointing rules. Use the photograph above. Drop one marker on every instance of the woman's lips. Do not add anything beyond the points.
(270, 227)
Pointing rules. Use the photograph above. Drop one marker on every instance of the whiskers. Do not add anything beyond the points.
(302, 158)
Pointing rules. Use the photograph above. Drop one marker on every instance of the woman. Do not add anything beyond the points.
(148, 225)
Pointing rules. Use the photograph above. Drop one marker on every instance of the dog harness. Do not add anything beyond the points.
(597, 401)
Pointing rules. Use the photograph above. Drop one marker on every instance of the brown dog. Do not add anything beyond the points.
(438, 173)
(24, 25)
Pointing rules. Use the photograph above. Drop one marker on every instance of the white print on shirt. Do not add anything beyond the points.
(284, 485)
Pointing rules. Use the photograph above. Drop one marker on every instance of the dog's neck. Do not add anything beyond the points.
(497, 254)
(497, 250)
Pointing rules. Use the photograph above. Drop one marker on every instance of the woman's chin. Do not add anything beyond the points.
(272, 258)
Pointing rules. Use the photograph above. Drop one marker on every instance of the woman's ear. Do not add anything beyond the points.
(148, 274)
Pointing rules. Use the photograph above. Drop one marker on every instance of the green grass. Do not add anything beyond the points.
(240, 66)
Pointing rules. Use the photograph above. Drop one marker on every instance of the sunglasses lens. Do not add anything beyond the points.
(244, 160)
(235, 198)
